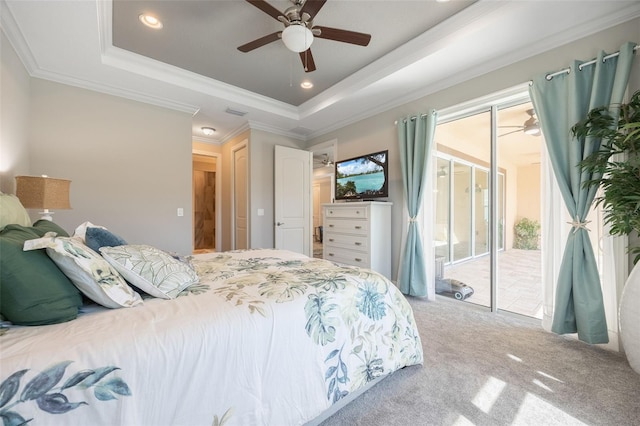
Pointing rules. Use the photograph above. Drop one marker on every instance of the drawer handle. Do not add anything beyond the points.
(330, 211)
(357, 211)
(330, 226)
(357, 259)
(358, 227)
(330, 254)
(358, 244)
(331, 239)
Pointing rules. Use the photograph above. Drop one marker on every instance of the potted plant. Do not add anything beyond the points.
(527, 234)
(616, 166)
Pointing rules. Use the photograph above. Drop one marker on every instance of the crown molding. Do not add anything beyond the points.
(207, 140)
(115, 91)
(256, 125)
(602, 23)
(236, 132)
(16, 38)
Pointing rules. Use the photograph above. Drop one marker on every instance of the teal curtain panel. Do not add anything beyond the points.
(560, 101)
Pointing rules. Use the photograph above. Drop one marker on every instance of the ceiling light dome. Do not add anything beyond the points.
(297, 37)
(208, 131)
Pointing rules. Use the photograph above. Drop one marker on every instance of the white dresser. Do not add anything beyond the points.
(358, 233)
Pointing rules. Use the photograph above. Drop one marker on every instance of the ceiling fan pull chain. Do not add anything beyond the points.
(290, 71)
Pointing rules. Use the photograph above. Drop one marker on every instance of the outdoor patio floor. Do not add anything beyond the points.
(519, 280)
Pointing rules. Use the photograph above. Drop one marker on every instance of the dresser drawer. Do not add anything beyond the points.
(360, 227)
(346, 256)
(354, 242)
(350, 212)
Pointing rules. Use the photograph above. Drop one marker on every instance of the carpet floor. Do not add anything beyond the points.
(482, 368)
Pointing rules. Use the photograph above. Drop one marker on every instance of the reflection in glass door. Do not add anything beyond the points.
(481, 211)
(461, 234)
(442, 202)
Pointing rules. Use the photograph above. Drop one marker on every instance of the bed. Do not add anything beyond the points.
(262, 337)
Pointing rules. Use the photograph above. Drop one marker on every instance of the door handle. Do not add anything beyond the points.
(279, 223)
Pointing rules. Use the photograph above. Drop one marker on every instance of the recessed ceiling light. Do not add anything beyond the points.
(150, 21)
(208, 131)
(306, 84)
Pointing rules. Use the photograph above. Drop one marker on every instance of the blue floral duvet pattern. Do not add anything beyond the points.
(266, 337)
(363, 324)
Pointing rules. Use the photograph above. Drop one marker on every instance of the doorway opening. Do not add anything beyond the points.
(206, 188)
(324, 157)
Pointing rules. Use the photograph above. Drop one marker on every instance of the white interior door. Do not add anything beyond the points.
(293, 201)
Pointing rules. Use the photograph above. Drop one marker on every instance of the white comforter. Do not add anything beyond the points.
(267, 337)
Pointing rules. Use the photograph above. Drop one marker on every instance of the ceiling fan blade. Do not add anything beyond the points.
(312, 7)
(344, 36)
(508, 133)
(260, 42)
(307, 61)
(266, 8)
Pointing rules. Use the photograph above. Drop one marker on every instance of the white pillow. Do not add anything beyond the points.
(150, 269)
(87, 270)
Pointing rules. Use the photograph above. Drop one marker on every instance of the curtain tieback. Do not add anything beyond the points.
(412, 220)
(577, 224)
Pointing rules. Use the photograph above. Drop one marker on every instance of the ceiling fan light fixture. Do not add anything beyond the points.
(532, 130)
(531, 127)
(297, 37)
(306, 84)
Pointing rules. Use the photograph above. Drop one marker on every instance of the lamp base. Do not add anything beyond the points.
(46, 215)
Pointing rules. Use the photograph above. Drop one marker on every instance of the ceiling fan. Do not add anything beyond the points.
(299, 31)
(530, 127)
(324, 160)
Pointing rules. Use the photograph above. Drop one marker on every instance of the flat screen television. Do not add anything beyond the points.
(363, 178)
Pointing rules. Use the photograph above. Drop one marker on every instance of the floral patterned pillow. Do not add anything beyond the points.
(150, 269)
(87, 270)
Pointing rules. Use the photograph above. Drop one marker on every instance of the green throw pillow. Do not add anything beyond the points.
(43, 226)
(33, 291)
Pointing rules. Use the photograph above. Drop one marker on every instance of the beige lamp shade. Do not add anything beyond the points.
(41, 192)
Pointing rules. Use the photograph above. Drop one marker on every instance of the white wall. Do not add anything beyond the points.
(14, 116)
(379, 132)
(129, 162)
(262, 158)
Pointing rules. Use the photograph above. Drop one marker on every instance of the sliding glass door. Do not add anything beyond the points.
(473, 151)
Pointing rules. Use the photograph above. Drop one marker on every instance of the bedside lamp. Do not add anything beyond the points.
(43, 192)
